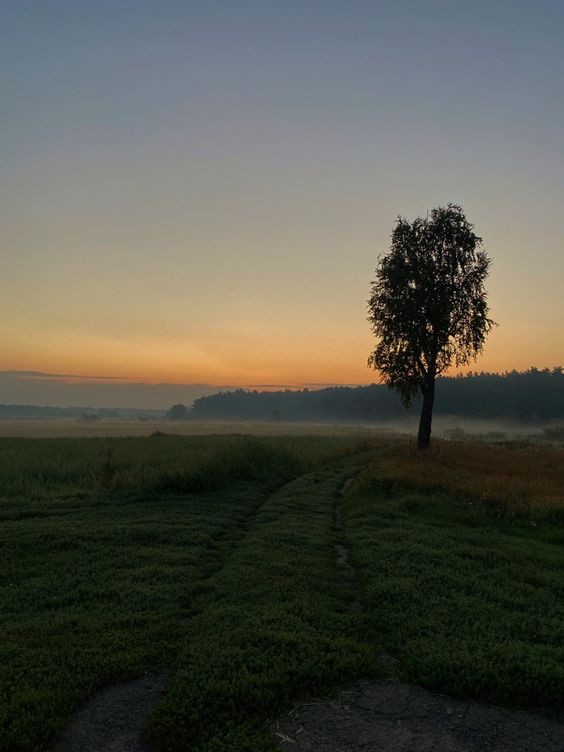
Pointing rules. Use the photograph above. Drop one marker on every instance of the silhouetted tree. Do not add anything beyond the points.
(428, 305)
(177, 412)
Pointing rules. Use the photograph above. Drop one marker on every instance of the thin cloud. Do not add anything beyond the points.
(55, 376)
(313, 385)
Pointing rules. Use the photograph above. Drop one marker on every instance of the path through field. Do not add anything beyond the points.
(391, 716)
(275, 622)
(273, 607)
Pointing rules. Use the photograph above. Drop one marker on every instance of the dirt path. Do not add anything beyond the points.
(111, 721)
(341, 549)
(393, 717)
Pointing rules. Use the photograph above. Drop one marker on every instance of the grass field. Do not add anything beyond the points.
(212, 559)
(65, 428)
(460, 558)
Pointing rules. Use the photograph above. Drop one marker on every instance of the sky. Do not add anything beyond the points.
(198, 192)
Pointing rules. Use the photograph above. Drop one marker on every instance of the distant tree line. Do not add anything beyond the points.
(530, 396)
(37, 412)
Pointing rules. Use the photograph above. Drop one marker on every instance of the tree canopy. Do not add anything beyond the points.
(177, 412)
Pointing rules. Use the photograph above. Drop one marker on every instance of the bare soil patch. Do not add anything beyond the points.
(390, 716)
(111, 721)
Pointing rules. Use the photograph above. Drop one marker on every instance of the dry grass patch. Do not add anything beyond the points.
(515, 478)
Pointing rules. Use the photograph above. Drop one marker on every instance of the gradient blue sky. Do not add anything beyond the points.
(198, 191)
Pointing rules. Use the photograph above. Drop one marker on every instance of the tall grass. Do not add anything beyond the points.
(244, 460)
(33, 469)
(512, 480)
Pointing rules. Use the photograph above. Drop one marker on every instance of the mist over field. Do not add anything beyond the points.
(67, 390)
(495, 407)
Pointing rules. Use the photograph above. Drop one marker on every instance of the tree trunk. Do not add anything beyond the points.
(424, 435)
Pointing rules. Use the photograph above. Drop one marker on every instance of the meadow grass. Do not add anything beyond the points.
(276, 627)
(65, 428)
(97, 591)
(468, 599)
(103, 568)
(514, 479)
(212, 559)
(34, 469)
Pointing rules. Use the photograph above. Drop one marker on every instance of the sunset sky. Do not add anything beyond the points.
(197, 192)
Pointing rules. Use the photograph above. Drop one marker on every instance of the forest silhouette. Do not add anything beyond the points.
(529, 396)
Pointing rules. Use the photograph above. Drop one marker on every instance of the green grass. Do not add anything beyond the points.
(99, 581)
(35, 469)
(470, 603)
(276, 626)
(97, 591)
(212, 559)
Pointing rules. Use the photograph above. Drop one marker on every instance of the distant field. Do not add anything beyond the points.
(212, 559)
(450, 427)
(60, 428)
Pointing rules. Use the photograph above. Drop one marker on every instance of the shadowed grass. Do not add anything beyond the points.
(35, 469)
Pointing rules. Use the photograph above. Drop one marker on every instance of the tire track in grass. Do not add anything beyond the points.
(392, 716)
(389, 664)
(276, 626)
(112, 719)
(105, 590)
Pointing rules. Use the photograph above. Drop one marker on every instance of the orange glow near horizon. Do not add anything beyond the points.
(295, 364)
